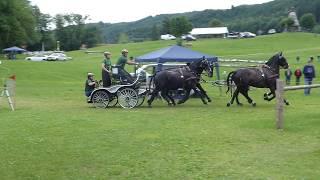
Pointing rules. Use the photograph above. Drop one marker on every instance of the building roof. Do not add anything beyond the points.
(206, 31)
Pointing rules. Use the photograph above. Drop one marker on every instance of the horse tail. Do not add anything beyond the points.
(229, 81)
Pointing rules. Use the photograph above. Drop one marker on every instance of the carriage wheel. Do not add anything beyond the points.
(100, 99)
(113, 101)
(128, 97)
(141, 100)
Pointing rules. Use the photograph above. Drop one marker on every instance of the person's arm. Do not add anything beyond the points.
(132, 62)
(104, 68)
(314, 72)
(91, 83)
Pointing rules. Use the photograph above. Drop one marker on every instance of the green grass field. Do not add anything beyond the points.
(54, 134)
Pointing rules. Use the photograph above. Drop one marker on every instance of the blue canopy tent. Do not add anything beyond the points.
(176, 54)
(12, 51)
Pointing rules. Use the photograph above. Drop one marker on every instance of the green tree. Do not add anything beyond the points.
(155, 33)
(286, 23)
(179, 26)
(70, 30)
(215, 23)
(92, 36)
(17, 23)
(165, 26)
(308, 21)
(43, 22)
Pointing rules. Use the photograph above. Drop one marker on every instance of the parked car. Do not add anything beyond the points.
(272, 31)
(188, 37)
(233, 35)
(38, 57)
(58, 57)
(247, 35)
(167, 37)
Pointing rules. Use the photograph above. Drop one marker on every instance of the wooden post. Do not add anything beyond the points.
(280, 104)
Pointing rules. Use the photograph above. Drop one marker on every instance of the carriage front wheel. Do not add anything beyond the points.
(100, 99)
(128, 97)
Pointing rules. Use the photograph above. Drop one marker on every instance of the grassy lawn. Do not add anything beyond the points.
(54, 134)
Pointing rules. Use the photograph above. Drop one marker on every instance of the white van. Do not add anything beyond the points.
(167, 37)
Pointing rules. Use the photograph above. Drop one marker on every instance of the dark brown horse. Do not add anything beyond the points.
(262, 77)
(187, 78)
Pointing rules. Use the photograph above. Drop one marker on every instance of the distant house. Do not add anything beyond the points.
(214, 32)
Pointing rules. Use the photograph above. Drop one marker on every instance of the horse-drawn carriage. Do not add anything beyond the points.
(126, 95)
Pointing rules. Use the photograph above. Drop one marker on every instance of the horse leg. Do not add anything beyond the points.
(203, 92)
(171, 99)
(202, 96)
(153, 95)
(186, 97)
(266, 96)
(165, 97)
(235, 95)
(274, 95)
(244, 92)
(238, 102)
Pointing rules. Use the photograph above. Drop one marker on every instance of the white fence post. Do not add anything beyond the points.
(280, 104)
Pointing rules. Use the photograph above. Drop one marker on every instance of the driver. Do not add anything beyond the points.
(122, 61)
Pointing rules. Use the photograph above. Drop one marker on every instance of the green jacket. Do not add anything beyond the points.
(122, 61)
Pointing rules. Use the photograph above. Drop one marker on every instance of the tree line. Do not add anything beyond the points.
(24, 25)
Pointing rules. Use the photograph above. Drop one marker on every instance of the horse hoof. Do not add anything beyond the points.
(265, 95)
(179, 102)
(240, 104)
(287, 103)
(228, 105)
(209, 100)
(266, 98)
(254, 104)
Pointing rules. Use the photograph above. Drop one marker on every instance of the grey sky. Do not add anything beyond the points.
(131, 10)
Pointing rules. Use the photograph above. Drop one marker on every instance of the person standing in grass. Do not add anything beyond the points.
(106, 69)
(309, 74)
(297, 74)
(288, 74)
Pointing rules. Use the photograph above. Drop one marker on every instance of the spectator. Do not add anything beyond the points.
(309, 74)
(298, 74)
(288, 74)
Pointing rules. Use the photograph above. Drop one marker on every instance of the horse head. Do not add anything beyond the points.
(277, 61)
(282, 61)
(202, 65)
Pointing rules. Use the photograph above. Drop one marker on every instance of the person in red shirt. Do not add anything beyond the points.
(297, 74)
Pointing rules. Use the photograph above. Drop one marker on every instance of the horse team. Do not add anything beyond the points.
(189, 77)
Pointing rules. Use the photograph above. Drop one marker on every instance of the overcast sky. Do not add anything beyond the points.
(131, 10)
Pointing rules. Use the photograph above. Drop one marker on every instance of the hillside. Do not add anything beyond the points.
(241, 18)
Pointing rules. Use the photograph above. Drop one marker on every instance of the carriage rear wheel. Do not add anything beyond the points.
(128, 97)
(100, 99)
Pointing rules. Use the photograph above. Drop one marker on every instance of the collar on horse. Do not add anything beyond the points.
(263, 74)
